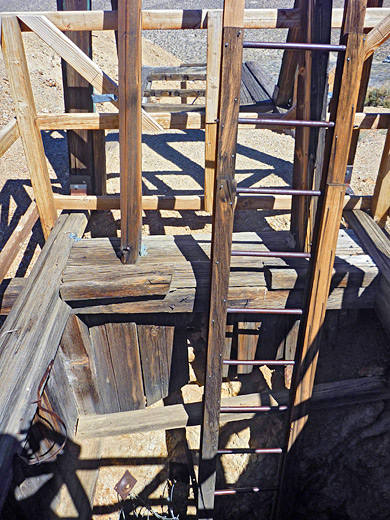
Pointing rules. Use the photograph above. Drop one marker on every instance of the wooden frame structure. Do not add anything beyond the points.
(36, 326)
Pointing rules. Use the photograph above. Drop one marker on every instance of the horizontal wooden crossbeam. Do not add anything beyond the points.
(190, 19)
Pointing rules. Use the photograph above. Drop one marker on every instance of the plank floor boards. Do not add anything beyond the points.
(268, 282)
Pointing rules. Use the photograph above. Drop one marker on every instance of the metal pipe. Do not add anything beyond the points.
(295, 46)
(272, 254)
(233, 310)
(291, 123)
(223, 492)
(246, 409)
(278, 191)
(234, 451)
(260, 362)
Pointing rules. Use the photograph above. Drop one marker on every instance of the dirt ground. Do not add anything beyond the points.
(172, 164)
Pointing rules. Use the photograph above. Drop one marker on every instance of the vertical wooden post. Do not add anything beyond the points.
(22, 95)
(223, 215)
(380, 204)
(214, 42)
(321, 32)
(129, 52)
(86, 148)
(284, 89)
(301, 181)
(362, 92)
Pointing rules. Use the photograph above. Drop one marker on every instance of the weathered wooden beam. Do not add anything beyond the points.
(377, 36)
(130, 139)
(194, 202)
(184, 119)
(380, 204)
(120, 282)
(336, 156)
(374, 241)
(190, 19)
(23, 99)
(85, 148)
(15, 242)
(223, 216)
(214, 49)
(301, 173)
(87, 68)
(9, 134)
(30, 338)
(325, 395)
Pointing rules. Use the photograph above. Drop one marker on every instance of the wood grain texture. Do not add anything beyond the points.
(380, 203)
(248, 337)
(325, 395)
(374, 241)
(23, 99)
(377, 36)
(214, 46)
(191, 19)
(126, 362)
(301, 172)
(15, 242)
(223, 214)
(130, 139)
(30, 338)
(87, 68)
(156, 347)
(76, 356)
(115, 282)
(9, 134)
(326, 237)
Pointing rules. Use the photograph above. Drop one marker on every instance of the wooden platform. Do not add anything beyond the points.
(173, 275)
(256, 86)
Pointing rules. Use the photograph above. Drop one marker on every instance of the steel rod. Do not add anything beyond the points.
(223, 492)
(291, 123)
(234, 451)
(272, 254)
(278, 191)
(258, 362)
(295, 46)
(246, 409)
(234, 310)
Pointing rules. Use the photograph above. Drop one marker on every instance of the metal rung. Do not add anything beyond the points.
(233, 310)
(272, 254)
(278, 191)
(290, 123)
(224, 492)
(249, 409)
(295, 46)
(259, 362)
(234, 451)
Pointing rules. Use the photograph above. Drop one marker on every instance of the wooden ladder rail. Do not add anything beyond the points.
(326, 234)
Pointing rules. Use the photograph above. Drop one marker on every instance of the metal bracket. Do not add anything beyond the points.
(104, 98)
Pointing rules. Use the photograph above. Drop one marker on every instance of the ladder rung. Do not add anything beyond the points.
(272, 254)
(223, 492)
(291, 123)
(270, 362)
(295, 46)
(249, 409)
(245, 310)
(279, 191)
(234, 451)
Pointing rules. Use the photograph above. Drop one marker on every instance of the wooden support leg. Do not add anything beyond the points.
(380, 204)
(301, 181)
(22, 95)
(129, 47)
(221, 249)
(214, 42)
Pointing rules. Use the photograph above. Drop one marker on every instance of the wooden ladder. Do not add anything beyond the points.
(330, 199)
